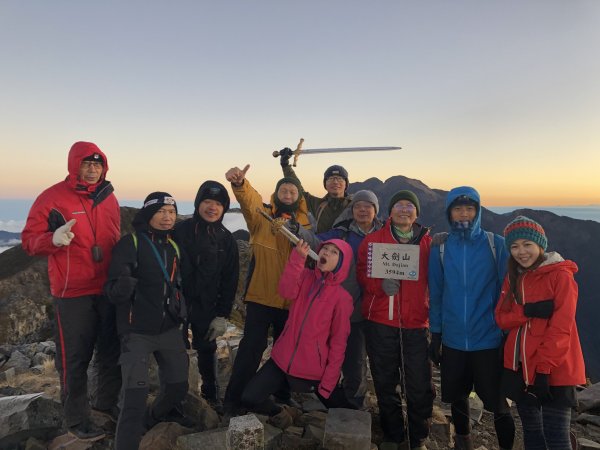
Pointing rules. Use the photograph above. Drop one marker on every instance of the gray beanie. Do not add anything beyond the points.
(366, 196)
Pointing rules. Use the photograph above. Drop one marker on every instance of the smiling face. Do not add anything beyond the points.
(287, 193)
(90, 171)
(525, 252)
(329, 255)
(335, 186)
(164, 218)
(210, 210)
(403, 214)
(363, 213)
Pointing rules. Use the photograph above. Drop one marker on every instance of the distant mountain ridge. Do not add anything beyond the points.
(573, 238)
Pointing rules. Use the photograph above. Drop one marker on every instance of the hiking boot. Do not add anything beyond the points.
(86, 431)
(281, 420)
(289, 402)
(294, 413)
(463, 442)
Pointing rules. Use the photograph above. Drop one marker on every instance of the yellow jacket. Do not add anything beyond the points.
(270, 251)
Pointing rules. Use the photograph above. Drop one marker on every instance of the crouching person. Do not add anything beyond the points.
(308, 354)
(144, 284)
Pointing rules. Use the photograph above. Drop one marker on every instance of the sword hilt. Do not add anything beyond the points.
(297, 152)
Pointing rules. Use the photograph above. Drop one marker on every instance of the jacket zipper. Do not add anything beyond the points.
(302, 324)
(319, 352)
(465, 290)
(525, 328)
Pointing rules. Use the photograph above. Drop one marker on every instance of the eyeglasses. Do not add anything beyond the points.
(399, 207)
(335, 179)
(92, 164)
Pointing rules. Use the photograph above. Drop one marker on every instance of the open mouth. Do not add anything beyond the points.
(322, 260)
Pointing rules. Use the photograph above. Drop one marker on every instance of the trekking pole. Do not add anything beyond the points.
(287, 233)
(403, 378)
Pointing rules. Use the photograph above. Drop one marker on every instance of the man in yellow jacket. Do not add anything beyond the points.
(270, 250)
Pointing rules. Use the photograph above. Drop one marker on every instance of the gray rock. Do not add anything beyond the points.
(314, 432)
(8, 376)
(25, 416)
(245, 433)
(35, 444)
(40, 358)
(212, 439)
(293, 442)
(18, 361)
(163, 436)
(586, 419)
(272, 437)
(586, 444)
(589, 398)
(346, 429)
(200, 412)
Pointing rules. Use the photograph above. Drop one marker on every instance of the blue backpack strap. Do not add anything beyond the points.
(160, 263)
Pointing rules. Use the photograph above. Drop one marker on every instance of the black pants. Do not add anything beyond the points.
(354, 367)
(258, 320)
(391, 352)
(82, 325)
(207, 359)
(270, 378)
(171, 356)
(480, 371)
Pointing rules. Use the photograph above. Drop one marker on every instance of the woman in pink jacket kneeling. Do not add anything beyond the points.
(308, 354)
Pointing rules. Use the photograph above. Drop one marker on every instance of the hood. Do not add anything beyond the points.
(346, 253)
(473, 195)
(81, 150)
(212, 190)
(554, 261)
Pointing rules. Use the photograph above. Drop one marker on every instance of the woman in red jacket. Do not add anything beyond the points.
(542, 355)
(308, 354)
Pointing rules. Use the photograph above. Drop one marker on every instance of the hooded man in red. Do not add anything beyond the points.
(76, 223)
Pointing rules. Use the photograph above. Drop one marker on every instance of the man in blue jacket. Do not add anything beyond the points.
(466, 270)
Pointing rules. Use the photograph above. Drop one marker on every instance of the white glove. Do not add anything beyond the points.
(217, 328)
(63, 235)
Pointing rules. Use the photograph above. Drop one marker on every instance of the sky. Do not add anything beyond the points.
(500, 95)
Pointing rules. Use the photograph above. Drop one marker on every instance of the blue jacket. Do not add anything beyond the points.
(464, 290)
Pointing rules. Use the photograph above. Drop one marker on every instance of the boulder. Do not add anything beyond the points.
(212, 439)
(25, 416)
(245, 433)
(163, 436)
(17, 361)
(347, 429)
(589, 398)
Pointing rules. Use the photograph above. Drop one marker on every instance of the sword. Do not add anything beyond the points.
(300, 151)
(288, 234)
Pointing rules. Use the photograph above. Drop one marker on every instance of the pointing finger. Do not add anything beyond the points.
(246, 169)
(70, 224)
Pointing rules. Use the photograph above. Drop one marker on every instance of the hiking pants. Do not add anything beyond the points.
(207, 359)
(354, 367)
(401, 359)
(82, 325)
(172, 359)
(258, 320)
(270, 378)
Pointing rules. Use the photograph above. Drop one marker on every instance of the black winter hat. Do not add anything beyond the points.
(405, 195)
(153, 203)
(212, 190)
(336, 171)
(96, 157)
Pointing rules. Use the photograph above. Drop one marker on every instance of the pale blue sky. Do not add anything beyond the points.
(503, 95)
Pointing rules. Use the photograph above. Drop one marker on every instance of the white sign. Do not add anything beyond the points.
(395, 261)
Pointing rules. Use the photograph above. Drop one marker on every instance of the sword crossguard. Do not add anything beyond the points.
(298, 151)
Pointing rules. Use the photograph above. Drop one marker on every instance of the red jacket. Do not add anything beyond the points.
(313, 342)
(71, 269)
(411, 303)
(549, 346)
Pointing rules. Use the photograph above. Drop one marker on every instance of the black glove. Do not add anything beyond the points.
(284, 156)
(435, 348)
(540, 388)
(541, 310)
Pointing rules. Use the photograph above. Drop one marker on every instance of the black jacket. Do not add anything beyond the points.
(211, 283)
(145, 311)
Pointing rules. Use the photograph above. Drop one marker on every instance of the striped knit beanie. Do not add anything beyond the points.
(525, 228)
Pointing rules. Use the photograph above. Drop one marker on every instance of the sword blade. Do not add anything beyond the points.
(346, 149)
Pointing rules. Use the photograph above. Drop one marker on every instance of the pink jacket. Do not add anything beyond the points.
(313, 342)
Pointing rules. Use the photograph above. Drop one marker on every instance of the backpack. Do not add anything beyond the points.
(490, 237)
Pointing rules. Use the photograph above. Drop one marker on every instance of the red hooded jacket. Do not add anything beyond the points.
(549, 346)
(71, 269)
(313, 342)
(411, 303)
